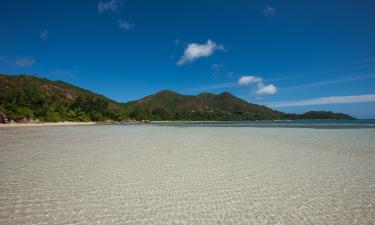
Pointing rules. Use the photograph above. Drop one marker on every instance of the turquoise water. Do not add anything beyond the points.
(327, 124)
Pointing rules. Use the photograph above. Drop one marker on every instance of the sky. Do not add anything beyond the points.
(293, 56)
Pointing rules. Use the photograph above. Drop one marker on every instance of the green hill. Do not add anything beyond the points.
(28, 96)
(169, 105)
(319, 115)
(25, 97)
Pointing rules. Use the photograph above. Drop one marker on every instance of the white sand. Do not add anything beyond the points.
(196, 175)
(43, 124)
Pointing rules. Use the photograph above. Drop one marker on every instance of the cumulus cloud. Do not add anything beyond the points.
(266, 90)
(260, 88)
(122, 24)
(269, 10)
(112, 5)
(326, 100)
(246, 80)
(194, 51)
(44, 34)
(25, 61)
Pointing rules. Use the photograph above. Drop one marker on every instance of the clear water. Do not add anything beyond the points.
(186, 175)
(322, 124)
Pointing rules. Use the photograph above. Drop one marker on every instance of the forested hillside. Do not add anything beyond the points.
(25, 98)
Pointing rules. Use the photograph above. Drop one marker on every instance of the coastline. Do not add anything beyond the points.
(44, 124)
(68, 123)
(257, 123)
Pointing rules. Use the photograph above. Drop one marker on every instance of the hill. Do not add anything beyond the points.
(169, 105)
(23, 98)
(321, 115)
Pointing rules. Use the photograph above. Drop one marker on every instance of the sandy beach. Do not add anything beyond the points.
(42, 124)
(186, 175)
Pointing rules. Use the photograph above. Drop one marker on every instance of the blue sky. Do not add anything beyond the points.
(292, 55)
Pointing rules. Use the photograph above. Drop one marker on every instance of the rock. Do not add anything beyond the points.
(21, 120)
(3, 118)
(26, 119)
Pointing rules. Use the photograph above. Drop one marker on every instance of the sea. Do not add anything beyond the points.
(274, 172)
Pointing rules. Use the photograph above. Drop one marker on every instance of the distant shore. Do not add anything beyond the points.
(43, 124)
(134, 122)
(69, 123)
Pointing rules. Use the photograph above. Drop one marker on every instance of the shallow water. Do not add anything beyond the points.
(318, 124)
(186, 175)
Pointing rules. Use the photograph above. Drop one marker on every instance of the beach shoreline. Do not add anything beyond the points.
(324, 124)
(44, 124)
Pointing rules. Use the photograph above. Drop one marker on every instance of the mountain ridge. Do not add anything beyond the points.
(23, 96)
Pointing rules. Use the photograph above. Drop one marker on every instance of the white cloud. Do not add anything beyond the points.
(269, 10)
(261, 88)
(326, 100)
(267, 90)
(44, 34)
(25, 61)
(122, 24)
(194, 51)
(245, 80)
(112, 5)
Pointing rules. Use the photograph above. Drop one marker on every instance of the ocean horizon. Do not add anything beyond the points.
(322, 124)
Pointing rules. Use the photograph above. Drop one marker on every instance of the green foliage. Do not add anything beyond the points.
(24, 112)
(52, 116)
(26, 96)
(168, 105)
(321, 115)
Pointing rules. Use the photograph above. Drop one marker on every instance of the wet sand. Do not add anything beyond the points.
(186, 175)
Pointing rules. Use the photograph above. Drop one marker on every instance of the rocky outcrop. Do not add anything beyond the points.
(3, 118)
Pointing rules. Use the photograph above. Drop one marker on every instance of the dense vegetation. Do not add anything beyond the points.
(38, 98)
(168, 105)
(32, 97)
(321, 115)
